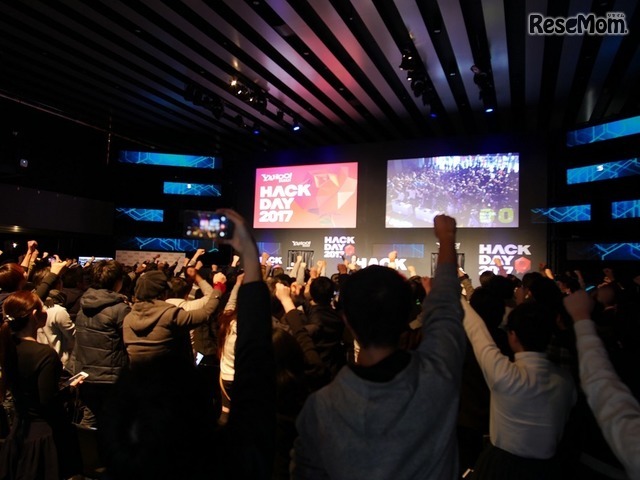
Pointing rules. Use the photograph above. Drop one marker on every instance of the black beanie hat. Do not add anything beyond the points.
(151, 285)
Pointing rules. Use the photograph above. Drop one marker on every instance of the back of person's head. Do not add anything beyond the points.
(17, 308)
(566, 281)
(534, 324)
(16, 312)
(489, 306)
(151, 285)
(529, 277)
(73, 277)
(545, 291)
(39, 275)
(161, 424)
(11, 277)
(515, 281)
(178, 287)
(283, 278)
(277, 271)
(500, 287)
(376, 302)
(105, 274)
(485, 277)
(322, 290)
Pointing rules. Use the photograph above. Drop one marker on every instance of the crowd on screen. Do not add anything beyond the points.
(459, 186)
(260, 371)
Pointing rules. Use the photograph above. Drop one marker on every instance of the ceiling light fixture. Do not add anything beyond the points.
(487, 92)
(407, 62)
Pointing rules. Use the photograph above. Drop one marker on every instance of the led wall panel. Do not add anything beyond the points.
(625, 209)
(480, 191)
(140, 214)
(169, 159)
(606, 131)
(160, 244)
(603, 251)
(603, 171)
(197, 189)
(573, 213)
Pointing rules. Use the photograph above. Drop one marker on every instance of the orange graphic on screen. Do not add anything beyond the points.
(309, 196)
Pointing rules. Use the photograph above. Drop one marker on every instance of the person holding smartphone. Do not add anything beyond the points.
(176, 434)
(42, 442)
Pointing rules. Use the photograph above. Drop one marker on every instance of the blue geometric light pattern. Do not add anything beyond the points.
(606, 131)
(272, 248)
(603, 171)
(140, 214)
(625, 209)
(618, 251)
(159, 244)
(197, 189)
(169, 159)
(572, 213)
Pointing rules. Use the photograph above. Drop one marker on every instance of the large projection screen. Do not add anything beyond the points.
(480, 191)
(307, 196)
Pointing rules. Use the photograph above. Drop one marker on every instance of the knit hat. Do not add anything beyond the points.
(151, 285)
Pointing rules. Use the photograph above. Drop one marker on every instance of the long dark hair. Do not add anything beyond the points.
(16, 311)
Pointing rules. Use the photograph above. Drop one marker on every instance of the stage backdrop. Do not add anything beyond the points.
(519, 249)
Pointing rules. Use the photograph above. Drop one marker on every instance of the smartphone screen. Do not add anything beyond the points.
(199, 357)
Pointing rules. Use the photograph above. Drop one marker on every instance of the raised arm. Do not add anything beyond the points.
(444, 339)
(251, 426)
(616, 410)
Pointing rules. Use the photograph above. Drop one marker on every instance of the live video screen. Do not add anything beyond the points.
(480, 191)
(306, 196)
(202, 224)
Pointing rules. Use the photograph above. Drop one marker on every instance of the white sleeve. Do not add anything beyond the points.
(616, 410)
(495, 366)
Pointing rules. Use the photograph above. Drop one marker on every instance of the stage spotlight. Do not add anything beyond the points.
(261, 102)
(435, 110)
(216, 106)
(418, 85)
(407, 62)
(295, 126)
(256, 129)
(489, 107)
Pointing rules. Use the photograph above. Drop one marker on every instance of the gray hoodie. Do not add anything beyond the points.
(401, 429)
(157, 328)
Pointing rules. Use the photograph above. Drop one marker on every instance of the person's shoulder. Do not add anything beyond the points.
(40, 350)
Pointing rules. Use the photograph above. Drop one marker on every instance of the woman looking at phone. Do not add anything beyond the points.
(41, 442)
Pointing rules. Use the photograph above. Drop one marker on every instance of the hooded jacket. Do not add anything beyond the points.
(157, 328)
(403, 428)
(99, 348)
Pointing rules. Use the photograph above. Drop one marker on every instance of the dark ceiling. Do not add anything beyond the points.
(158, 72)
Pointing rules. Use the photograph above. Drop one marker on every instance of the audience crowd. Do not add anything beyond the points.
(251, 370)
(459, 186)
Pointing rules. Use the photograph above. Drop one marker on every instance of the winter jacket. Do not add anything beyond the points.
(100, 349)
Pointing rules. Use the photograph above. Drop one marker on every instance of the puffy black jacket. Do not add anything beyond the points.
(99, 349)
